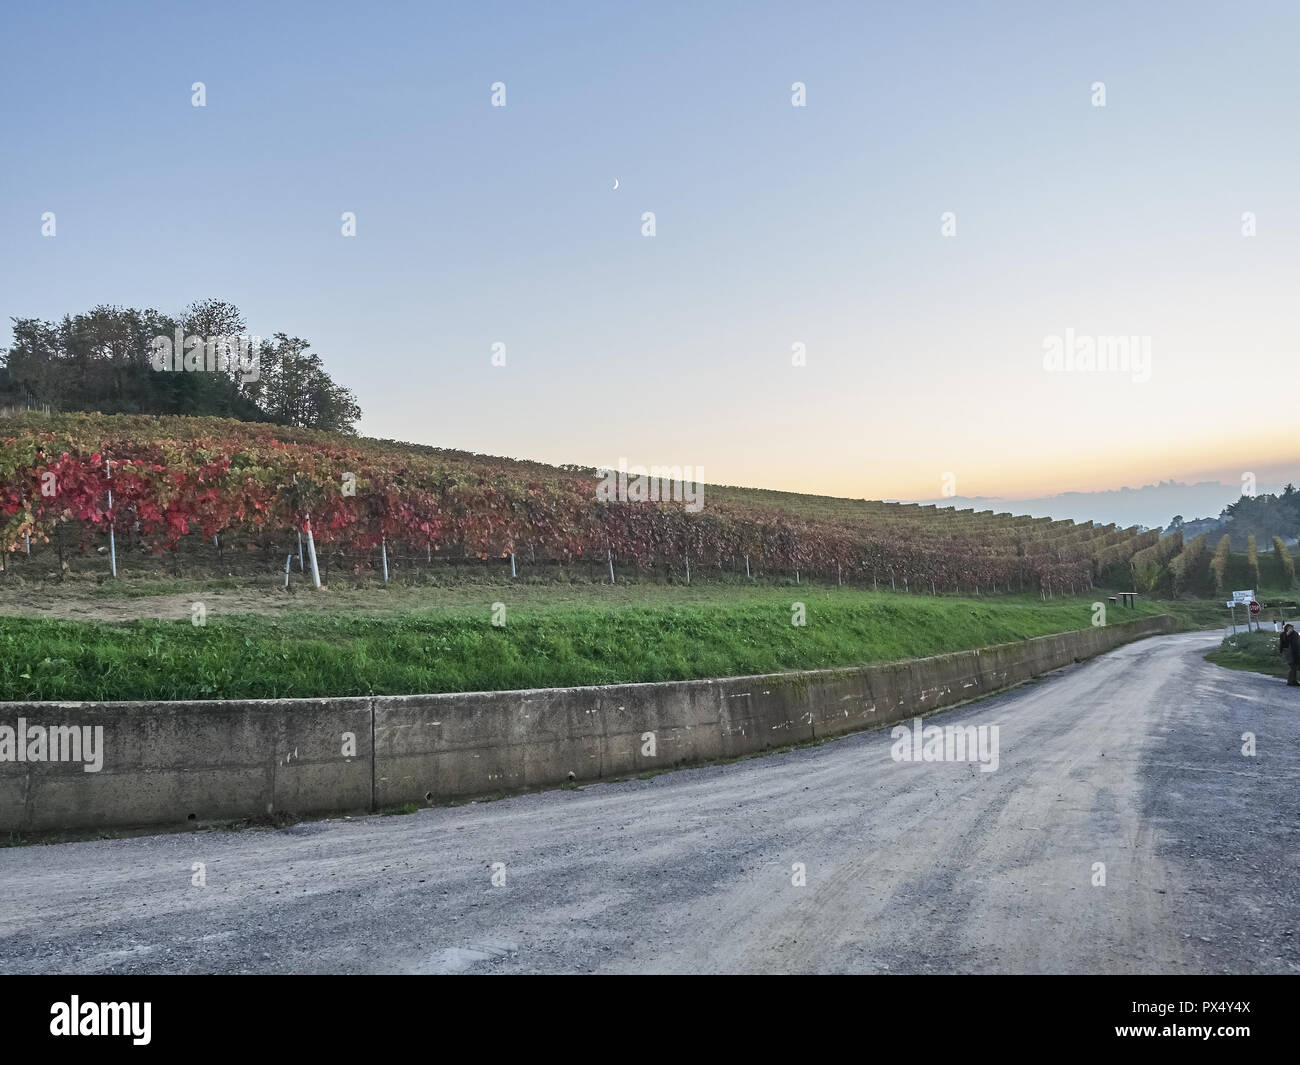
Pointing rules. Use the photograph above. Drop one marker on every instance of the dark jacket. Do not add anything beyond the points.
(1289, 645)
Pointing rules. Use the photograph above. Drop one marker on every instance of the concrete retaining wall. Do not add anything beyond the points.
(168, 763)
(172, 762)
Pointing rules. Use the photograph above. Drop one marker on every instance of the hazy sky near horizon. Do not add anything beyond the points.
(775, 224)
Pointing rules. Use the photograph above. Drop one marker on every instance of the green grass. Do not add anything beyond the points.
(572, 637)
(1255, 652)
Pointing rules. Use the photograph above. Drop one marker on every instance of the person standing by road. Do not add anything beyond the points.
(1289, 646)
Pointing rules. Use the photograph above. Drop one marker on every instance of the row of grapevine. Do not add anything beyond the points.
(1219, 566)
(1148, 565)
(1184, 568)
(1284, 567)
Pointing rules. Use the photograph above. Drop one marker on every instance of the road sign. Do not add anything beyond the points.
(1243, 596)
(1254, 608)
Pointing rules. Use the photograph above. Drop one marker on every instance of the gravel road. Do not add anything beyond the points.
(1133, 760)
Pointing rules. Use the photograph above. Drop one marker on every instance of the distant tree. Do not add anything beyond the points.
(1290, 502)
(212, 318)
(1263, 516)
(294, 389)
(217, 318)
(102, 360)
(93, 361)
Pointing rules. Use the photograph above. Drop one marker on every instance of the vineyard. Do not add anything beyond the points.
(72, 484)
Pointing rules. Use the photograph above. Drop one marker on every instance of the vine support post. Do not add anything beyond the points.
(839, 575)
(311, 553)
(383, 554)
(287, 559)
(112, 541)
(688, 567)
(300, 551)
(747, 566)
(512, 565)
(609, 557)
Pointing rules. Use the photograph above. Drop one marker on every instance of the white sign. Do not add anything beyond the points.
(1243, 597)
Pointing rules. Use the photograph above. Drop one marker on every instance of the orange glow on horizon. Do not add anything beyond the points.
(1214, 460)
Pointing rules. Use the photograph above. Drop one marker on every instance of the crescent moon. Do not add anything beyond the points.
(616, 183)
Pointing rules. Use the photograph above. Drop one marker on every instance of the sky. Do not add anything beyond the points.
(774, 225)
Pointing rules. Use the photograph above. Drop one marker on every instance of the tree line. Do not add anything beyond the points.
(1260, 516)
(104, 360)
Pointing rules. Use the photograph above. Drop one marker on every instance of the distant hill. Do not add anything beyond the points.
(1151, 506)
